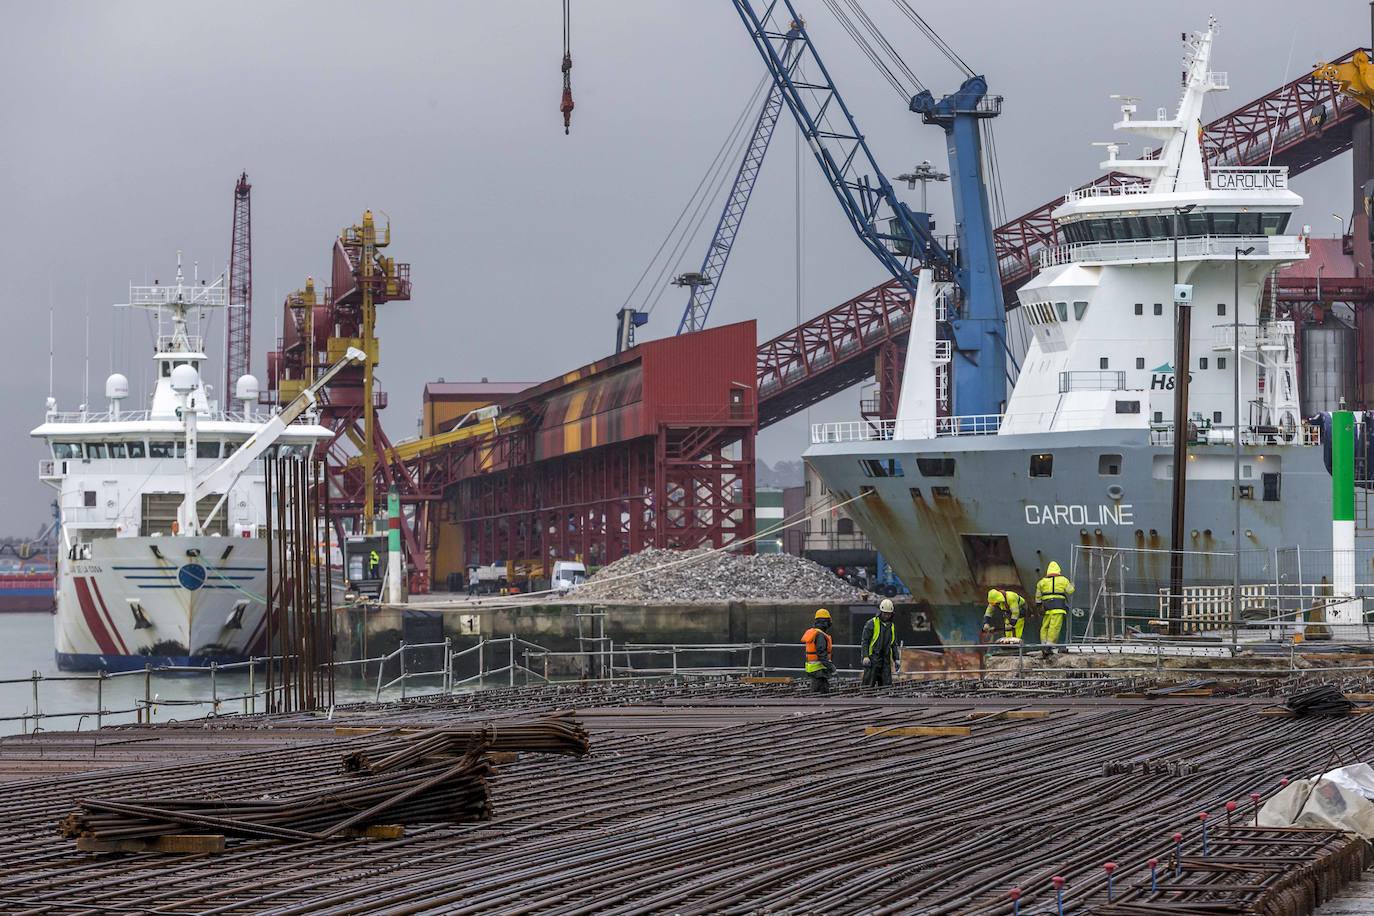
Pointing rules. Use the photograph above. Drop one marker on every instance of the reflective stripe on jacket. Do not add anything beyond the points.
(817, 643)
(880, 639)
(1053, 592)
(1009, 613)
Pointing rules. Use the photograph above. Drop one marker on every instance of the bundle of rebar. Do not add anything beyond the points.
(453, 792)
(550, 735)
(1323, 700)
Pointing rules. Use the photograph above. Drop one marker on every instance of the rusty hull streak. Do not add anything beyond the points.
(941, 559)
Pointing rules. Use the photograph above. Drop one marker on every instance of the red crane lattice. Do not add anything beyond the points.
(239, 316)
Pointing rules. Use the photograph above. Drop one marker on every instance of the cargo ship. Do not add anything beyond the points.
(28, 585)
(1082, 454)
(163, 556)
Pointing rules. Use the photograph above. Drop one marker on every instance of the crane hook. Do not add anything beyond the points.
(567, 106)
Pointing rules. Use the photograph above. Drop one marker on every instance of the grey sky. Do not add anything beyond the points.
(126, 123)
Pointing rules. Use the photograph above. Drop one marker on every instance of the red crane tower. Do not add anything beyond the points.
(239, 315)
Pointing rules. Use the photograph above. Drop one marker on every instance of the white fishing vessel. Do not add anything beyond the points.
(164, 558)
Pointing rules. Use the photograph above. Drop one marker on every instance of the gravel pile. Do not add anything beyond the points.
(720, 577)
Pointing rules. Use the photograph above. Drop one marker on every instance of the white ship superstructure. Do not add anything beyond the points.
(148, 575)
(1082, 452)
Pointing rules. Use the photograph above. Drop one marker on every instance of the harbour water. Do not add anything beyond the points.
(27, 641)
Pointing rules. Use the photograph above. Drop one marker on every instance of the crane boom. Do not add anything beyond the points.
(889, 228)
(223, 475)
(239, 316)
(706, 282)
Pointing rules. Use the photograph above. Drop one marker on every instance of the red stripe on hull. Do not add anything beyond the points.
(123, 649)
(93, 623)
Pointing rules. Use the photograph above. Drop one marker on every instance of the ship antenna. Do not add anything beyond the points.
(50, 347)
(86, 394)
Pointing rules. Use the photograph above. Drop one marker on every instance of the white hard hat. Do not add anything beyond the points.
(886, 606)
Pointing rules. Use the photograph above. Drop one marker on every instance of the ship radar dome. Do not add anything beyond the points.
(246, 388)
(116, 387)
(185, 379)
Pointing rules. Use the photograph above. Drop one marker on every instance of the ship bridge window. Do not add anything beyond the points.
(66, 450)
(881, 467)
(175, 449)
(1273, 223)
(935, 467)
(1140, 308)
(137, 450)
(207, 448)
(117, 450)
(230, 448)
(166, 369)
(1042, 465)
(95, 450)
(1080, 308)
(1161, 226)
(1063, 309)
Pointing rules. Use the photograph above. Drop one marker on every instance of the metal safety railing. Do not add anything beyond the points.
(142, 708)
(1162, 249)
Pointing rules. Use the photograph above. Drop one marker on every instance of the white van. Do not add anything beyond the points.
(568, 574)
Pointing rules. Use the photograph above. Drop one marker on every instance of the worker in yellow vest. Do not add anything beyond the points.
(818, 651)
(1052, 595)
(881, 657)
(1005, 614)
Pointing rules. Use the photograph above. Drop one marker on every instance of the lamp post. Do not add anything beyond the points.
(1183, 329)
(1235, 441)
(925, 173)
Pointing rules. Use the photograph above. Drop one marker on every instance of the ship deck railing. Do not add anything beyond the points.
(1275, 177)
(143, 416)
(876, 430)
(1206, 433)
(1191, 248)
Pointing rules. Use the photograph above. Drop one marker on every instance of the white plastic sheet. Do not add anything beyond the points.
(1336, 800)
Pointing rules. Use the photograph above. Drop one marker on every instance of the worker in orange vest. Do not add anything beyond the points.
(818, 645)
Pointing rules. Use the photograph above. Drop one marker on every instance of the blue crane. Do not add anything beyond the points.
(978, 331)
(892, 231)
(704, 283)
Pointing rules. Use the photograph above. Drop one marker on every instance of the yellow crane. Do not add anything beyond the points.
(1355, 78)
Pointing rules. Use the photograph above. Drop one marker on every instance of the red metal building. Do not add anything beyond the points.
(653, 447)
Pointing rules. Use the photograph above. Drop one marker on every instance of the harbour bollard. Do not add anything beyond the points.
(1283, 783)
(1015, 895)
(1254, 803)
(1230, 809)
(1109, 868)
(1178, 854)
(1058, 881)
(1154, 884)
(1202, 816)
